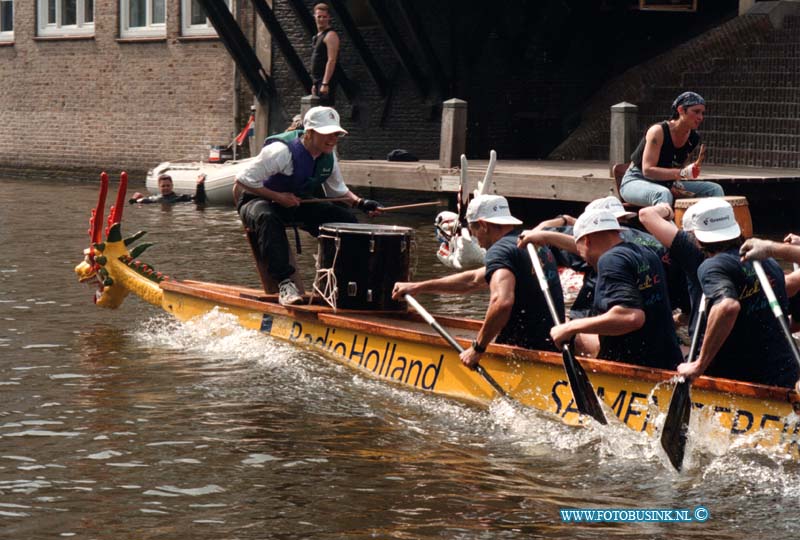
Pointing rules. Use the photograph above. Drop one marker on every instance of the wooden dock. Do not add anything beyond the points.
(566, 181)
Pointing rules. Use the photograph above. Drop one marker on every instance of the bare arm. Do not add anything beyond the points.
(332, 45)
(558, 221)
(501, 301)
(654, 139)
(617, 321)
(757, 249)
(721, 319)
(656, 219)
(463, 282)
(548, 238)
(792, 283)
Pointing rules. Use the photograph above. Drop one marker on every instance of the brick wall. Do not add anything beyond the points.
(100, 103)
(656, 82)
(412, 121)
(524, 68)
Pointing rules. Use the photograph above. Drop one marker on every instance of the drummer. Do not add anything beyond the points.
(517, 312)
(660, 167)
(292, 166)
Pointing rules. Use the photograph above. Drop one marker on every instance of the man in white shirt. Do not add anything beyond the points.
(293, 166)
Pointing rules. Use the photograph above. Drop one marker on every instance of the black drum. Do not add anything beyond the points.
(365, 261)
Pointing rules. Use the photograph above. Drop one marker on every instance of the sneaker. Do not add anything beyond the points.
(288, 294)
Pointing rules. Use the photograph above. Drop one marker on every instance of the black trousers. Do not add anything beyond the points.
(268, 221)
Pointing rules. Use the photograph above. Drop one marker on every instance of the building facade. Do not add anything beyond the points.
(125, 84)
(112, 84)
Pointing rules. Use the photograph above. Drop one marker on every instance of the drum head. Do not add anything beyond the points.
(365, 228)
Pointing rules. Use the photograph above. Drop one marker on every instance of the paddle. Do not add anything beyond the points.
(582, 391)
(463, 199)
(676, 424)
(483, 187)
(776, 309)
(453, 343)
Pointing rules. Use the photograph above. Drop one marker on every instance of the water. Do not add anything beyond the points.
(127, 424)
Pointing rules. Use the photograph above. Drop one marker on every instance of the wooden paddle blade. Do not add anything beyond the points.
(676, 425)
(585, 398)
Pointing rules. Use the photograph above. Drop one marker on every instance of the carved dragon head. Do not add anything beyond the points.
(108, 265)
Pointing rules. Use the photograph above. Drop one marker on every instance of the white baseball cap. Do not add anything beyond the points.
(714, 221)
(491, 208)
(593, 221)
(324, 120)
(613, 205)
(688, 219)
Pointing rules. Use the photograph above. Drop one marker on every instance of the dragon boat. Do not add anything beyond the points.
(398, 347)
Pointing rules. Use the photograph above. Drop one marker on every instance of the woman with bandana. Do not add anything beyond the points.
(660, 167)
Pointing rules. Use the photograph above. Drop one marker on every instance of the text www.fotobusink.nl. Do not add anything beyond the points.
(623, 515)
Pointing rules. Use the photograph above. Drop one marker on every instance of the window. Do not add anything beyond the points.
(6, 20)
(194, 21)
(66, 17)
(142, 18)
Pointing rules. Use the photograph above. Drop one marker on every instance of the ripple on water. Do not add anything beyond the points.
(42, 433)
(174, 491)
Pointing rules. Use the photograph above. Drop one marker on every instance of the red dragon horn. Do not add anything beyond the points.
(96, 221)
(115, 214)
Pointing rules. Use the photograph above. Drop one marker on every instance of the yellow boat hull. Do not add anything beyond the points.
(400, 350)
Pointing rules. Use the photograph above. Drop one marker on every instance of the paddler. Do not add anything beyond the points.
(517, 312)
(634, 320)
(558, 234)
(292, 166)
(743, 340)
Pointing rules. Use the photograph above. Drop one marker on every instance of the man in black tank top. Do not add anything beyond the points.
(324, 51)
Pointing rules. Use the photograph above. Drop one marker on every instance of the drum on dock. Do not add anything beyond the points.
(741, 212)
(359, 263)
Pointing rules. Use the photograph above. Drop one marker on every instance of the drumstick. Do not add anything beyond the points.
(701, 155)
(405, 206)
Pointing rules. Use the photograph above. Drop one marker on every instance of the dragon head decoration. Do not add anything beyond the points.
(108, 264)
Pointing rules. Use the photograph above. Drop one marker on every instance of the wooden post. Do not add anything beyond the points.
(453, 139)
(254, 141)
(624, 132)
(307, 102)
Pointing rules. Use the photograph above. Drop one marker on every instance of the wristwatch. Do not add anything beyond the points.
(477, 347)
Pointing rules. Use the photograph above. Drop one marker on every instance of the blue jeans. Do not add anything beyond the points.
(637, 189)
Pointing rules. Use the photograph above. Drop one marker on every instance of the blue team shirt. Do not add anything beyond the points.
(756, 349)
(530, 321)
(632, 276)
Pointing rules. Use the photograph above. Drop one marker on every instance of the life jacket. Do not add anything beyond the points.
(307, 173)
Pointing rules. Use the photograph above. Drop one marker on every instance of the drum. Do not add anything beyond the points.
(741, 212)
(359, 263)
